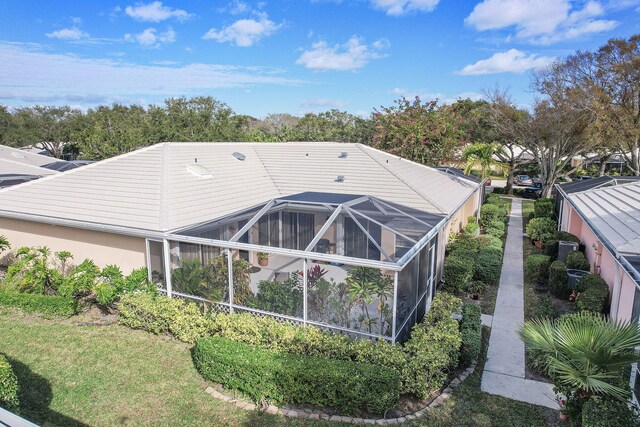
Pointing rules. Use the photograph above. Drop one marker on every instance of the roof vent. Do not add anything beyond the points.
(238, 155)
(340, 178)
(199, 170)
(343, 155)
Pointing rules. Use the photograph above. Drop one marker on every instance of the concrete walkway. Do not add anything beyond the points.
(504, 370)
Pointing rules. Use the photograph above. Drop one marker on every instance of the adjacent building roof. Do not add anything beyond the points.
(168, 186)
(614, 212)
(20, 168)
(458, 172)
(22, 156)
(602, 181)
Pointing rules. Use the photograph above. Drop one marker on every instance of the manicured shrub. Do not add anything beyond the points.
(477, 287)
(289, 378)
(487, 241)
(160, 314)
(536, 268)
(566, 236)
(577, 261)
(48, 305)
(8, 386)
(489, 213)
(593, 294)
(471, 333)
(457, 273)
(472, 220)
(280, 297)
(541, 229)
(495, 232)
(464, 243)
(558, 279)
(608, 412)
(497, 224)
(551, 249)
(472, 228)
(488, 265)
(544, 208)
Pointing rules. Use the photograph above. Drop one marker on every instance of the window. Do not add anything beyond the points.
(297, 230)
(156, 262)
(357, 244)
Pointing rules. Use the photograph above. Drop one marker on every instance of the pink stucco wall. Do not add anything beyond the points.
(603, 263)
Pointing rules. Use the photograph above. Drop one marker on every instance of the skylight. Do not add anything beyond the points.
(199, 170)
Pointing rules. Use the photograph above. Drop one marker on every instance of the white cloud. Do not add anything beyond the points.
(155, 12)
(70, 77)
(511, 61)
(401, 7)
(151, 38)
(236, 7)
(244, 32)
(73, 33)
(541, 21)
(350, 56)
(322, 103)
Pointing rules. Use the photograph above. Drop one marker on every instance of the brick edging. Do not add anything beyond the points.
(303, 414)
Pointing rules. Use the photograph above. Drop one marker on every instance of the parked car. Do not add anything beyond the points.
(533, 191)
(581, 177)
(523, 180)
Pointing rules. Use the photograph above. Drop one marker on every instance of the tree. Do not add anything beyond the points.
(584, 353)
(49, 128)
(484, 155)
(423, 132)
(333, 125)
(606, 83)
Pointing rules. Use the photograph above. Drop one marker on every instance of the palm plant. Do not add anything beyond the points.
(4, 243)
(483, 155)
(584, 353)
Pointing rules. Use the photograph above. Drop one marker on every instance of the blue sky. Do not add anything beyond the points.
(291, 56)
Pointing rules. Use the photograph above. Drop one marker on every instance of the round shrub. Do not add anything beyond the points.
(472, 219)
(489, 213)
(541, 229)
(477, 287)
(593, 294)
(497, 224)
(489, 241)
(464, 242)
(471, 330)
(564, 235)
(551, 248)
(558, 279)
(8, 386)
(472, 229)
(577, 261)
(536, 268)
(544, 208)
(495, 232)
(457, 273)
(488, 265)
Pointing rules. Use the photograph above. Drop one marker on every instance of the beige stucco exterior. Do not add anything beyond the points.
(103, 248)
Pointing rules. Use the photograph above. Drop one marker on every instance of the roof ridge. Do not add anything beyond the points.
(273, 181)
(419, 193)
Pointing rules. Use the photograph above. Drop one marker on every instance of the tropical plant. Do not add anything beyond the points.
(280, 297)
(583, 353)
(189, 277)
(362, 288)
(4, 243)
(483, 155)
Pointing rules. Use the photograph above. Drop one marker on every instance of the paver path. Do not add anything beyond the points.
(504, 370)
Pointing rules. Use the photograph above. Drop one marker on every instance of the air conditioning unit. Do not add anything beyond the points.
(574, 277)
(564, 247)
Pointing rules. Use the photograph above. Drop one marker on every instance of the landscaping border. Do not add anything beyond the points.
(306, 414)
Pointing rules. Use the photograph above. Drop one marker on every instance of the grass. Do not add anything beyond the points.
(469, 406)
(73, 375)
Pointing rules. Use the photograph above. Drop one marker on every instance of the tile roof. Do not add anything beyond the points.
(152, 188)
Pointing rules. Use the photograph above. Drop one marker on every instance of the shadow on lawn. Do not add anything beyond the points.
(35, 396)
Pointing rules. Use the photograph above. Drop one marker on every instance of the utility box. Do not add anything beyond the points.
(574, 277)
(564, 247)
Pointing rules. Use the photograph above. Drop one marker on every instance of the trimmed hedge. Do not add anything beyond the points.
(160, 314)
(564, 235)
(577, 261)
(464, 243)
(8, 386)
(608, 412)
(458, 271)
(544, 208)
(558, 279)
(291, 378)
(39, 304)
(536, 268)
(423, 361)
(541, 229)
(593, 294)
(488, 265)
(472, 228)
(487, 241)
(471, 331)
(495, 232)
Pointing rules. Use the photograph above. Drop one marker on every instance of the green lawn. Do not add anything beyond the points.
(74, 374)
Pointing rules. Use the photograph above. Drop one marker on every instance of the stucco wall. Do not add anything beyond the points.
(603, 263)
(103, 248)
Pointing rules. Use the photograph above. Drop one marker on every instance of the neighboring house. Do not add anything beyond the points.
(606, 218)
(574, 187)
(15, 172)
(310, 210)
